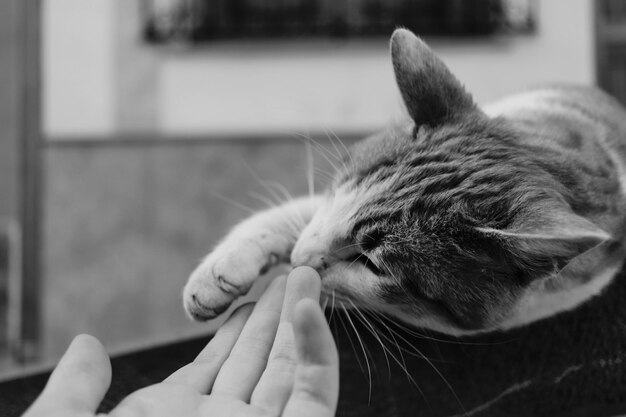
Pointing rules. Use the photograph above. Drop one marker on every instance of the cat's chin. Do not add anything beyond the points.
(352, 286)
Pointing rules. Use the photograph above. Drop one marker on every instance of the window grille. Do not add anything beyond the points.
(205, 20)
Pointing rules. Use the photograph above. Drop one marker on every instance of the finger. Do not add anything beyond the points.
(276, 383)
(79, 381)
(316, 386)
(201, 373)
(302, 282)
(243, 368)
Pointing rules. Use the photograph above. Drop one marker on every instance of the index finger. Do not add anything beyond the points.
(274, 387)
(303, 282)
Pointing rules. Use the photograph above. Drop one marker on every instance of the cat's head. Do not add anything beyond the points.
(442, 220)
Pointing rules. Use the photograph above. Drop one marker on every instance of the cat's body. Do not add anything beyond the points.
(456, 219)
(587, 129)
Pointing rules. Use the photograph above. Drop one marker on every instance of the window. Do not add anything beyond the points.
(198, 21)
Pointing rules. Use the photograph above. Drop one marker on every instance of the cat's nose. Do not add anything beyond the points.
(319, 262)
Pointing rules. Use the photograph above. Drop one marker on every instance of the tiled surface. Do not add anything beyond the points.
(124, 225)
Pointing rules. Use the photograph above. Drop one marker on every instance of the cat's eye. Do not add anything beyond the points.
(369, 239)
(366, 262)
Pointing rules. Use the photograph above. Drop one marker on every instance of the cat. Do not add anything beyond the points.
(456, 218)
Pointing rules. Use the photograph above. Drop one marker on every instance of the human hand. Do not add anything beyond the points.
(277, 358)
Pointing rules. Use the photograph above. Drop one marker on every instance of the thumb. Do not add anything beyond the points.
(316, 386)
(79, 381)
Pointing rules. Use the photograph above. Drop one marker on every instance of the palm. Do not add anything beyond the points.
(252, 367)
(163, 400)
(179, 400)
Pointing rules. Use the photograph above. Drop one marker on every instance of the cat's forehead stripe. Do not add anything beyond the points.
(368, 202)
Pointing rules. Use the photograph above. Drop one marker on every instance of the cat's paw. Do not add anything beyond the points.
(225, 274)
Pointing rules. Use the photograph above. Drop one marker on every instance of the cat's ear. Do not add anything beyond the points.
(430, 92)
(550, 233)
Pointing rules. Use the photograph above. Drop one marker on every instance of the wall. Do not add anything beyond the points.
(100, 79)
(125, 225)
(78, 67)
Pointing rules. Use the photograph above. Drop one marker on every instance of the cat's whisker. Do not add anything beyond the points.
(310, 169)
(325, 302)
(293, 220)
(355, 260)
(392, 333)
(290, 222)
(332, 308)
(352, 245)
(330, 139)
(409, 330)
(368, 326)
(329, 177)
(414, 332)
(365, 353)
(343, 145)
(335, 333)
(395, 341)
(435, 346)
(263, 183)
(273, 188)
(382, 320)
(282, 189)
(294, 228)
(307, 138)
(389, 272)
(233, 202)
(434, 368)
(412, 352)
(268, 202)
(323, 151)
(347, 333)
(288, 197)
(400, 362)
(336, 155)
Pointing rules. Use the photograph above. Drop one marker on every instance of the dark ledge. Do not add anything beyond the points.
(571, 365)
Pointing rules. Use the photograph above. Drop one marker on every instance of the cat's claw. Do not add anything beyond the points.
(225, 275)
(200, 312)
(209, 293)
(205, 297)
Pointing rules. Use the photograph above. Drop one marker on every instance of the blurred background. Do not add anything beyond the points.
(135, 133)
